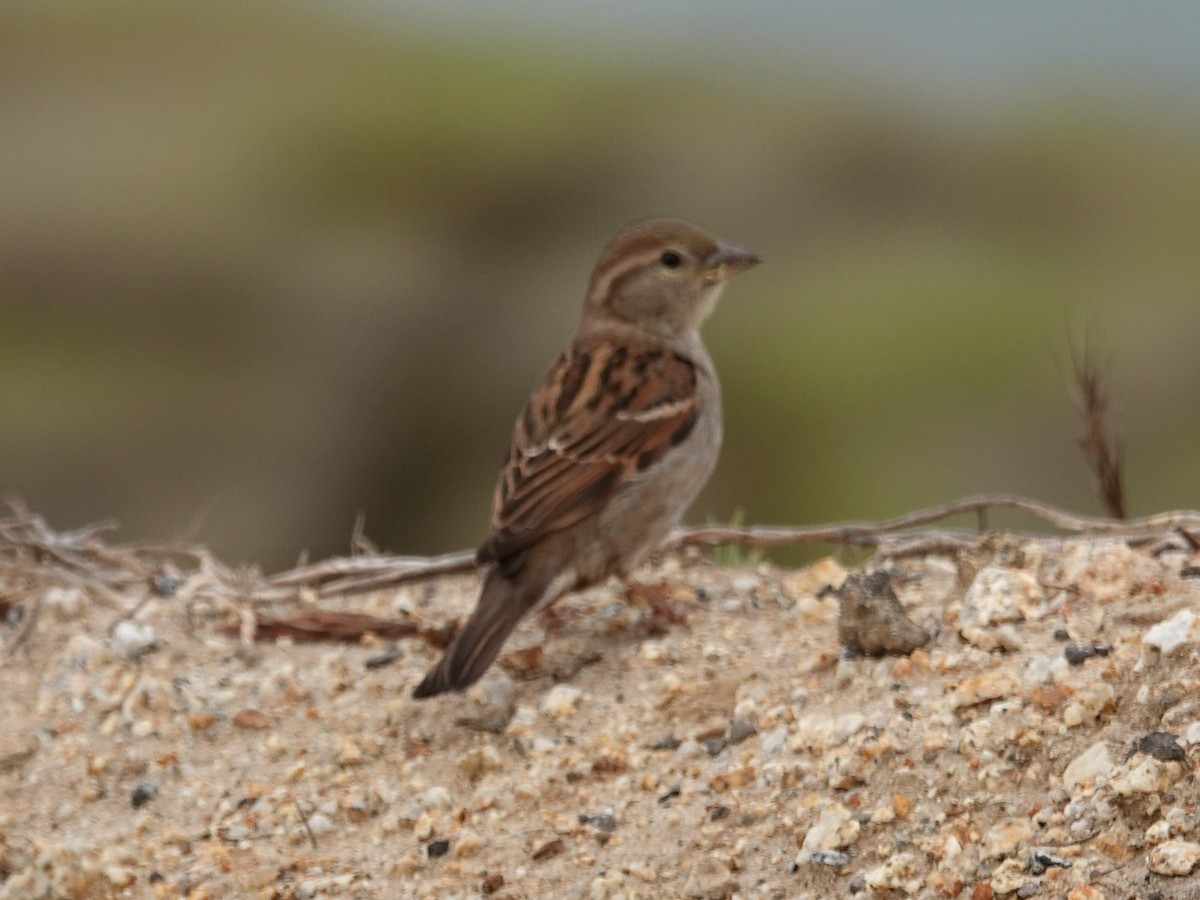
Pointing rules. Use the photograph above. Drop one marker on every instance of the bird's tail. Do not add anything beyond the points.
(477, 644)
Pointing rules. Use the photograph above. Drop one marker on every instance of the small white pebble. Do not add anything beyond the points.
(65, 603)
(1088, 766)
(1175, 858)
(131, 639)
(1158, 832)
(436, 797)
(834, 828)
(319, 823)
(771, 742)
(1170, 635)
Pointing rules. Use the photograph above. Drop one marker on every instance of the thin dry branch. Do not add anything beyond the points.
(82, 558)
(869, 534)
(897, 537)
(359, 574)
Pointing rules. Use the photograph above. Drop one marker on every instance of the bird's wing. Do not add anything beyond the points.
(604, 412)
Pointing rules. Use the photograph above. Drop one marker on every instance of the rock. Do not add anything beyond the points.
(1159, 832)
(1168, 636)
(143, 794)
(16, 750)
(1005, 836)
(1145, 775)
(740, 730)
(1093, 763)
(561, 701)
(710, 879)
(834, 858)
(319, 824)
(1077, 656)
(871, 619)
(835, 828)
(1087, 703)
(1001, 595)
(65, 603)
(898, 871)
(468, 843)
(1040, 861)
(492, 704)
(436, 797)
(131, 639)
(1104, 569)
(985, 687)
(478, 761)
(1009, 877)
(1161, 745)
(1175, 858)
(846, 726)
(609, 884)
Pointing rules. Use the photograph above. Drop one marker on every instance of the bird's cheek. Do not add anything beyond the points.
(706, 302)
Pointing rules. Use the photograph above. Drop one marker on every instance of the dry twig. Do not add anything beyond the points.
(81, 558)
(1101, 450)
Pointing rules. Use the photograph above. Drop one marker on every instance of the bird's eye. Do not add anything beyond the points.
(671, 259)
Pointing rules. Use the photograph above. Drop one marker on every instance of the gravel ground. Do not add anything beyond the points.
(698, 735)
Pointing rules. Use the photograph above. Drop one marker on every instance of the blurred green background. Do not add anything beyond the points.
(263, 266)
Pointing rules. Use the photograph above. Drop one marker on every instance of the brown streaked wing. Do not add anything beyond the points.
(602, 414)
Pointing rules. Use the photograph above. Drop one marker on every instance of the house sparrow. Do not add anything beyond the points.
(616, 441)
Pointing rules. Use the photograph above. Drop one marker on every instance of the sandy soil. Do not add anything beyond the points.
(702, 735)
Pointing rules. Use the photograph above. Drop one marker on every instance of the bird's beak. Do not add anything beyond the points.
(728, 260)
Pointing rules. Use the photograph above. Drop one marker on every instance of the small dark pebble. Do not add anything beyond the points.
(165, 585)
(1040, 861)
(1159, 744)
(830, 858)
(437, 848)
(714, 745)
(1190, 572)
(670, 742)
(1028, 889)
(384, 659)
(703, 594)
(155, 877)
(142, 794)
(492, 882)
(1076, 656)
(548, 849)
(857, 885)
(739, 730)
(670, 795)
(1061, 634)
(602, 821)
(717, 813)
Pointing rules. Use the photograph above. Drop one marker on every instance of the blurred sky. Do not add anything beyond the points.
(969, 50)
(265, 266)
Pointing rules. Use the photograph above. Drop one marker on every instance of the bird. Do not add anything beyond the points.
(614, 443)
